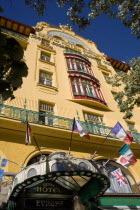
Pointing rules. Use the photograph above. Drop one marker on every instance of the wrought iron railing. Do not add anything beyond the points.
(46, 119)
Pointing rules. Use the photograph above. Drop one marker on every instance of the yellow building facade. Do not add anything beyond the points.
(67, 78)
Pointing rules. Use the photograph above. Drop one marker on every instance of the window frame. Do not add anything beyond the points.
(46, 79)
(78, 64)
(45, 42)
(45, 55)
(46, 116)
(100, 117)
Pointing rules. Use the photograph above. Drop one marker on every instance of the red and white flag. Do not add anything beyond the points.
(28, 133)
(121, 160)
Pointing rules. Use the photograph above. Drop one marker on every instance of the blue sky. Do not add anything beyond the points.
(110, 35)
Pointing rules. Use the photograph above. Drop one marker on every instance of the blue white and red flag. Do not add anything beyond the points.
(78, 128)
(122, 134)
(117, 174)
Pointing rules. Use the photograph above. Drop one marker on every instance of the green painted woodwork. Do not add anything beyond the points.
(94, 188)
(126, 201)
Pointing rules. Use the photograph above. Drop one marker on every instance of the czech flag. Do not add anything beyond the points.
(78, 128)
(120, 133)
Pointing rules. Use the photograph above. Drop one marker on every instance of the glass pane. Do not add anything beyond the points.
(45, 57)
(45, 42)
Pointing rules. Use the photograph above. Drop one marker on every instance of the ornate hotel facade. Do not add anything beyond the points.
(67, 78)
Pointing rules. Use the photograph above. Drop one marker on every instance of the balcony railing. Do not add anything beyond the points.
(45, 119)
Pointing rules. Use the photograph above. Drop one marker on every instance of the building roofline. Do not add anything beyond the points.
(16, 26)
(118, 64)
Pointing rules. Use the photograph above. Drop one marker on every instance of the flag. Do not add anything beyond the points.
(117, 174)
(28, 132)
(3, 162)
(1, 174)
(78, 128)
(121, 160)
(126, 152)
(120, 133)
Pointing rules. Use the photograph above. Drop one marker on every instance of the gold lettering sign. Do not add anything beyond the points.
(49, 203)
(47, 188)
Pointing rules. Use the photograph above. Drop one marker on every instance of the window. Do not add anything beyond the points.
(93, 118)
(83, 82)
(45, 78)
(80, 65)
(46, 107)
(45, 42)
(84, 87)
(45, 57)
(46, 111)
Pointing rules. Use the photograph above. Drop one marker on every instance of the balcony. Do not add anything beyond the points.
(20, 114)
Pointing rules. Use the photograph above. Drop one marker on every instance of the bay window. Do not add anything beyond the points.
(83, 82)
(84, 87)
(78, 64)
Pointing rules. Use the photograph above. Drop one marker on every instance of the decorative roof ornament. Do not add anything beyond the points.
(41, 25)
(68, 27)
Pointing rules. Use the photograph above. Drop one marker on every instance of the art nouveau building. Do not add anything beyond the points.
(67, 78)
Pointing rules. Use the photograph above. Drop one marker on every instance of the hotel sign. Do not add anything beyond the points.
(49, 204)
(48, 188)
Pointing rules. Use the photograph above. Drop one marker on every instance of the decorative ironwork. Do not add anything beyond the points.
(20, 114)
(72, 174)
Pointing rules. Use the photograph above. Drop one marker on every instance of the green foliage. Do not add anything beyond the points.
(128, 11)
(130, 96)
(12, 68)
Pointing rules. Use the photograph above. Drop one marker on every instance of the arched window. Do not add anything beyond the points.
(115, 187)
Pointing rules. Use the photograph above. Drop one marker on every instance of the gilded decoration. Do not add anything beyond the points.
(68, 27)
(41, 25)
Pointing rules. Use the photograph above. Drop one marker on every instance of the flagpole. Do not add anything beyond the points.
(71, 137)
(113, 155)
(70, 142)
(37, 146)
(15, 163)
(92, 156)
